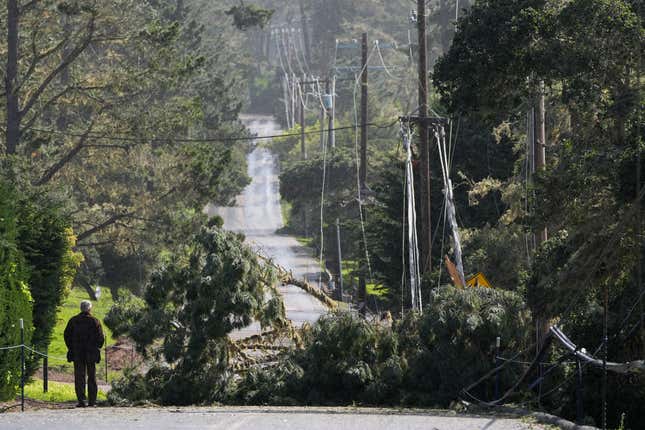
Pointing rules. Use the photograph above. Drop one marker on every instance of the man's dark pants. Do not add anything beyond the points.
(81, 369)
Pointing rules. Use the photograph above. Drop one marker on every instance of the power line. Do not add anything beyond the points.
(203, 140)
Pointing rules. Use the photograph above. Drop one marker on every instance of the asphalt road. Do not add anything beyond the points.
(257, 214)
(252, 418)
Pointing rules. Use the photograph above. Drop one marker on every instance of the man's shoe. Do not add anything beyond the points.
(80, 405)
(91, 404)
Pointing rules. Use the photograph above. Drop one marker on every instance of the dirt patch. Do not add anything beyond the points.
(122, 355)
(33, 405)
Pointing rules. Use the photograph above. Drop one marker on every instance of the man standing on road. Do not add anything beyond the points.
(84, 339)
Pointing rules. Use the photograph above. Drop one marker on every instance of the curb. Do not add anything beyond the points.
(543, 418)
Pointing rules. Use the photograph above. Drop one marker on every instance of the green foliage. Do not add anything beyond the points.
(247, 16)
(422, 360)
(505, 57)
(132, 388)
(493, 251)
(587, 53)
(195, 298)
(384, 232)
(46, 240)
(172, 73)
(124, 313)
(15, 299)
(343, 357)
(457, 335)
(298, 179)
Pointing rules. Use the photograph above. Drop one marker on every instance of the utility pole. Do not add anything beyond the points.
(293, 99)
(362, 171)
(540, 147)
(539, 157)
(426, 231)
(330, 90)
(605, 341)
(301, 102)
(322, 125)
(639, 241)
(332, 112)
(285, 92)
(363, 164)
(303, 148)
(305, 33)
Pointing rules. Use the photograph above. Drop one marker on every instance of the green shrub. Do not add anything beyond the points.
(423, 360)
(46, 240)
(15, 299)
(124, 313)
(457, 334)
(194, 299)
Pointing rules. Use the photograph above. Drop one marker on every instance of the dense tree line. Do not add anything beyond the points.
(102, 164)
(103, 102)
(587, 55)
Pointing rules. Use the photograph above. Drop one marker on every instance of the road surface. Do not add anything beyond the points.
(257, 214)
(253, 418)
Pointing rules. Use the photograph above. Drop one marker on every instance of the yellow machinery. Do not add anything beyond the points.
(477, 280)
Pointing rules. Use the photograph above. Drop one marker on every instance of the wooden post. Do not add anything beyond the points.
(322, 126)
(424, 189)
(605, 341)
(540, 147)
(301, 103)
(22, 365)
(363, 163)
(498, 342)
(340, 260)
(580, 415)
(362, 171)
(332, 113)
(45, 373)
(539, 157)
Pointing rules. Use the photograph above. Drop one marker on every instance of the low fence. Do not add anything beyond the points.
(46, 362)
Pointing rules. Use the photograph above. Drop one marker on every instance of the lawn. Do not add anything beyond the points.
(57, 348)
(56, 391)
(349, 280)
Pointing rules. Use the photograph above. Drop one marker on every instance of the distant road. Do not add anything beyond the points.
(257, 214)
(252, 418)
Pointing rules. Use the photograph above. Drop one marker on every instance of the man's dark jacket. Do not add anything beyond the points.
(84, 338)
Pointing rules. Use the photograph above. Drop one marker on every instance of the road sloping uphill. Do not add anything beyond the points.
(257, 214)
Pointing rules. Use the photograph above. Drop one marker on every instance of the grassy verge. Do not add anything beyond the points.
(285, 210)
(70, 308)
(307, 242)
(349, 266)
(57, 392)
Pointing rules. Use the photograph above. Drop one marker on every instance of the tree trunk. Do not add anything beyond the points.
(62, 120)
(11, 78)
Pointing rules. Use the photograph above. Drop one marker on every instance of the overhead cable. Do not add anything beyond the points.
(198, 140)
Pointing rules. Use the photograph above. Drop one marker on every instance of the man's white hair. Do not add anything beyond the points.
(86, 305)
